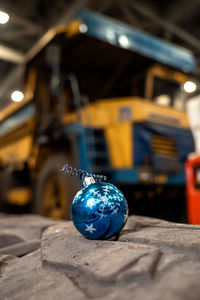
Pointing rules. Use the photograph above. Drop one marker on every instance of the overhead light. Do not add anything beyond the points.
(190, 86)
(4, 17)
(83, 28)
(17, 96)
(123, 40)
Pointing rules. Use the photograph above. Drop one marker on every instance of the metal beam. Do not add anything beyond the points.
(101, 6)
(15, 34)
(148, 13)
(29, 25)
(16, 19)
(183, 10)
(11, 55)
(129, 15)
(9, 80)
(71, 11)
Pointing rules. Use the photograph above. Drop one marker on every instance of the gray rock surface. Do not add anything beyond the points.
(152, 259)
(20, 235)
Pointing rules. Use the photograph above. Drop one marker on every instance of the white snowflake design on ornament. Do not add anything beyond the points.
(103, 197)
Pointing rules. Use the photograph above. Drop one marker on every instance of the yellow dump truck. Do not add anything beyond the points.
(101, 96)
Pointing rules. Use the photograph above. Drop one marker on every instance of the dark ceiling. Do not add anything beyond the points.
(175, 21)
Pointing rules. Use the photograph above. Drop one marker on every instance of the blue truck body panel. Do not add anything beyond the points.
(121, 35)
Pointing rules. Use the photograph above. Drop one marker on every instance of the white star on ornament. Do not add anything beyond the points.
(90, 228)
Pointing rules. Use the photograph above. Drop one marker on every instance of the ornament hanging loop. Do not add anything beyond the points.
(88, 180)
(84, 176)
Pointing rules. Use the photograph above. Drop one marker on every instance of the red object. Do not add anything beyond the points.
(193, 189)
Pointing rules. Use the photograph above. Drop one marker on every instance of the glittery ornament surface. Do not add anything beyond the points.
(99, 211)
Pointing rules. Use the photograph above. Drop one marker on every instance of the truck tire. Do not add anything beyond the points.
(54, 191)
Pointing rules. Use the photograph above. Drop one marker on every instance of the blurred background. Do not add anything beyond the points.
(107, 86)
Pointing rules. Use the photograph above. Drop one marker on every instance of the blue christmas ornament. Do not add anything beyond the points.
(99, 210)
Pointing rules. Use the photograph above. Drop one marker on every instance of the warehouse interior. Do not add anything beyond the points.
(99, 149)
(168, 20)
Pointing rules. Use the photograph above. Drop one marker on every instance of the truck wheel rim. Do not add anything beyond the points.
(54, 197)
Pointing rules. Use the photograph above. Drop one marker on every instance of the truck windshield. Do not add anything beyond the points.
(171, 93)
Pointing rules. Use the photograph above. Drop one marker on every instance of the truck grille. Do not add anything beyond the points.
(163, 145)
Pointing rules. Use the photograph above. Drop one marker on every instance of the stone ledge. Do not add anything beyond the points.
(152, 259)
